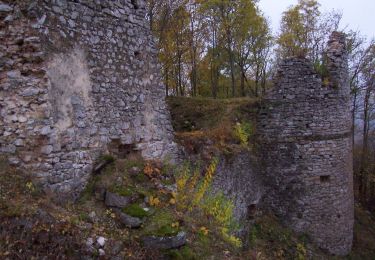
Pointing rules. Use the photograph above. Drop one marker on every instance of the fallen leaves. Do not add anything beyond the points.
(154, 201)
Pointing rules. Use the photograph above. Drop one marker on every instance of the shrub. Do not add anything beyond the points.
(301, 251)
(184, 253)
(321, 69)
(242, 132)
(193, 194)
(107, 158)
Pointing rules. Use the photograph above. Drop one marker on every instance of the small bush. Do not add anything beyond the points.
(193, 196)
(220, 208)
(184, 253)
(301, 251)
(107, 158)
(321, 69)
(242, 132)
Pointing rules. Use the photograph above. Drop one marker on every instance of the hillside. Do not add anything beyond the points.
(158, 203)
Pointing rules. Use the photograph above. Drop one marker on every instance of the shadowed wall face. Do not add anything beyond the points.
(76, 78)
(306, 149)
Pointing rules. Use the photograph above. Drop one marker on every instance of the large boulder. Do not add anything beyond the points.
(129, 221)
(115, 200)
(167, 242)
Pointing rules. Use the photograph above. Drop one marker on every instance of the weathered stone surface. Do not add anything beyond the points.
(115, 200)
(129, 221)
(306, 150)
(167, 242)
(239, 179)
(71, 88)
(4, 8)
(101, 241)
(100, 193)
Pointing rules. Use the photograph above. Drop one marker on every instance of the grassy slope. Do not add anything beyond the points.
(194, 114)
(206, 126)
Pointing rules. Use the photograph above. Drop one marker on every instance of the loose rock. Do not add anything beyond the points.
(129, 221)
(4, 8)
(168, 242)
(115, 200)
(101, 241)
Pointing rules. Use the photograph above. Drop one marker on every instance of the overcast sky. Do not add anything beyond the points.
(357, 14)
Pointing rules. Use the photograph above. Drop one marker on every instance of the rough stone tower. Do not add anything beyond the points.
(306, 149)
(78, 78)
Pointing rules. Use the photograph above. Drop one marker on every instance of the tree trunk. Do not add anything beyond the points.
(353, 116)
(231, 62)
(166, 81)
(264, 80)
(365, 122)
(214, 74)
(243, 83)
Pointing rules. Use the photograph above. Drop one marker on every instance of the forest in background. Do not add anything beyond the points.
(225, 49)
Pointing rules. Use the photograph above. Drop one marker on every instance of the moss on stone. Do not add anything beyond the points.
(122, 190)
(135, 210)
(167, 230)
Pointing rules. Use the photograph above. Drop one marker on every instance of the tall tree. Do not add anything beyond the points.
(304, 30)
(252, 41)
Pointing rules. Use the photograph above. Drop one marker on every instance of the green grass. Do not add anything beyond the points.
(135, 210)
(274, 240)
(364, 235)
(190, 114)
(166, 230)
(107, 158)
(160, 223)
(88, 192)
(133, 163)
(140, 178)
(184, 253)
(122, 190)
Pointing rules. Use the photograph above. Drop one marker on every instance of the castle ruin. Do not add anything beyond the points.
(79, 78)
(306, 151)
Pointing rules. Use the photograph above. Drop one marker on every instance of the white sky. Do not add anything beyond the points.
(357, 14)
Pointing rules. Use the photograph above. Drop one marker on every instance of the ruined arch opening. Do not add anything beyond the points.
(251, 210)
(325, 178)
(135, 4)
(137, 54)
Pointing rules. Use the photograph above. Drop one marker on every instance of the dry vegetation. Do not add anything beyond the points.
(208, 127)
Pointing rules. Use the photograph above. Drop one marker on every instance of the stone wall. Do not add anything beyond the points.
(77, 78)
(306, 149)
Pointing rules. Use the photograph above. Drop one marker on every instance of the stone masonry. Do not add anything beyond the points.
(306, 149)
(78, 78)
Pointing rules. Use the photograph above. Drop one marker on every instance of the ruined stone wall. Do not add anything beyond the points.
(306, 149)
(238, 178)
(77, 78)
